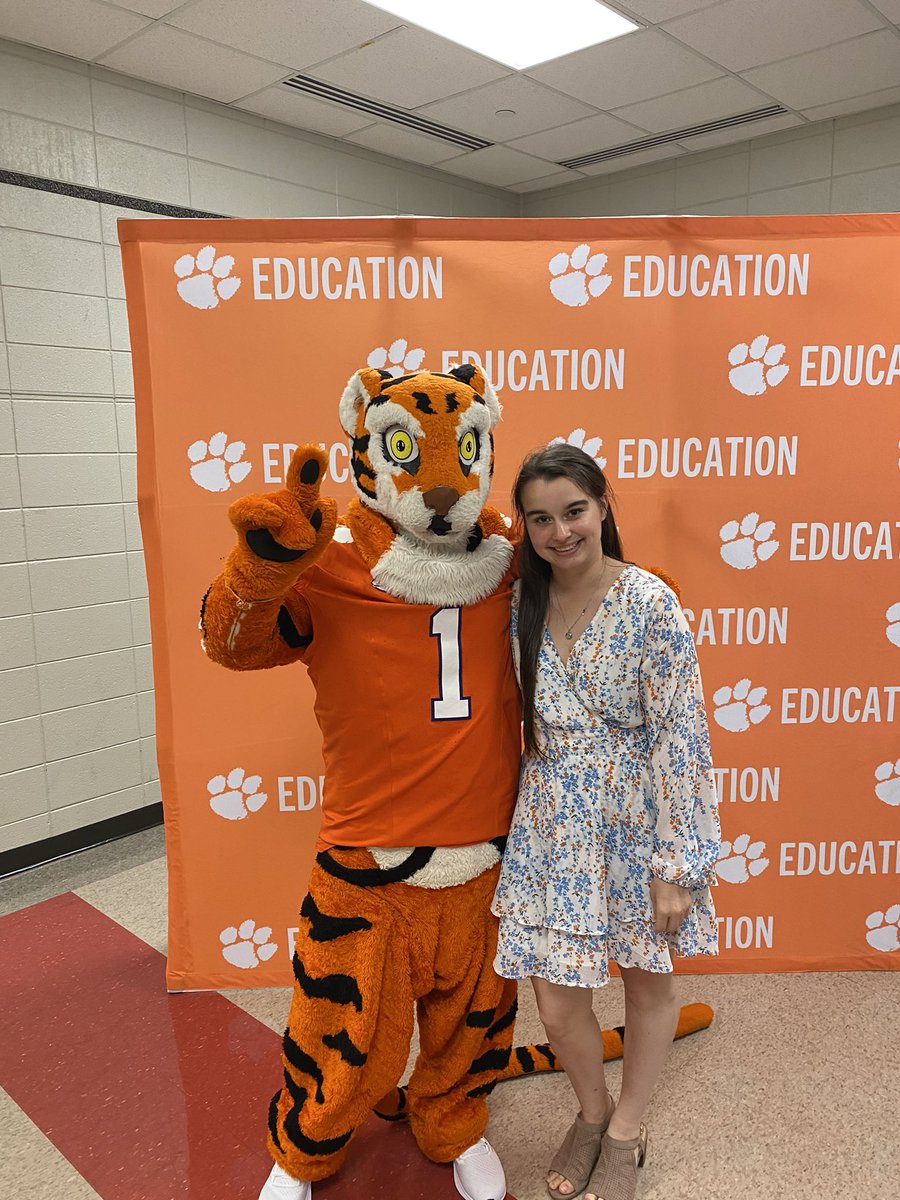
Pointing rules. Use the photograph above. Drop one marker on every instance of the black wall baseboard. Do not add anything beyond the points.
(37, 853)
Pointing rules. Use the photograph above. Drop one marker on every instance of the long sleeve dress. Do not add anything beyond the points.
(625, 791)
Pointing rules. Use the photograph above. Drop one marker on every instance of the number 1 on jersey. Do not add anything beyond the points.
(452, 705)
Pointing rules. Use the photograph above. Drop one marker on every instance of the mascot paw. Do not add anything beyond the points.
(293, 524)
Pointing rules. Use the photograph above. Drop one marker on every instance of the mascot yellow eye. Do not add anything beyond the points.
(400, 444)
(468, 448)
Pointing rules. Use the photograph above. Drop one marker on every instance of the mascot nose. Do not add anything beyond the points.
(440, 499)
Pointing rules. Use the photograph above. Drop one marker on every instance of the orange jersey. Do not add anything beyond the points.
(418, 707)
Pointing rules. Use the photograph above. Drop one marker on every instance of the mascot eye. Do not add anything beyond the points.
(468, 448)
(400, 445)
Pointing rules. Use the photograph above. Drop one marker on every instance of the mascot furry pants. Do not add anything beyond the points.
(366, 957)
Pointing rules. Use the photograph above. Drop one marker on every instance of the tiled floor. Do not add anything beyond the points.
(116, 1090)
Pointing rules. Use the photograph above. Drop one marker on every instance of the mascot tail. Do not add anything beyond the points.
(536, 1059)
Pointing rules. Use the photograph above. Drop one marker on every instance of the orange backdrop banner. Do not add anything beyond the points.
(738, 380)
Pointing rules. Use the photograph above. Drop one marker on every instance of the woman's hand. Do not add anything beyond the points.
(670, 903)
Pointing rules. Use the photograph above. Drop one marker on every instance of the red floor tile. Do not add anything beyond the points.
(150, 1095)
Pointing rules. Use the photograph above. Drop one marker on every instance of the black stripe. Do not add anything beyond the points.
(463, 372)
(273, 1121)
(483, 1089)
(423, 402)
(620, 1030)
(476, 537)
(505, 1021)
(264, 546)
(361, 444)
(305, 1063)
(389, 383)
(203, 608)
(325, 928)
(400, 1114)
(310, 1145)
(339, 989)
(481, 1019)
(500, 843)
(491, 1060)
(343, 1043)
(546, 1051)
(82, 192)
(374, 876)
(526, 1062)
(289, 631)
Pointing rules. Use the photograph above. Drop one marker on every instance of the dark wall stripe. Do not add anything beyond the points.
(87, 837)
(83, 192)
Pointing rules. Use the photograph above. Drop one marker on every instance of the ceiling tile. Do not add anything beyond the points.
(535, 108)
(295, 108)
(823, 76)
(655, 11)
(191, 64)
(637, 159)
(498, 165)
(404, 143)
(890, 8)
(148, 8)
(741, 133)
(547, 181)
(739, 34)
(578, 137)
(82, 28)
(707, 102)
(435, 68)
(285, 31)
(632, 68)
(857, 104)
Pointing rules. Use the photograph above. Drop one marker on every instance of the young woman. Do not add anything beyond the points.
(616, 829)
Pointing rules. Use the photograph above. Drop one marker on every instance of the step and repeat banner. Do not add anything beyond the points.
(738, 380)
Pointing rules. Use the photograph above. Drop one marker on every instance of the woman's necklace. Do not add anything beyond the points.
(569, 632)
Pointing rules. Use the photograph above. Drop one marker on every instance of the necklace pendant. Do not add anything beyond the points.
(569, 636)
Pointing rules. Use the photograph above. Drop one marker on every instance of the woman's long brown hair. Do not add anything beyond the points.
(553, 462)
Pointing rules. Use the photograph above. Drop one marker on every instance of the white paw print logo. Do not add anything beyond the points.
(740, 707)
(217, 463)
(755, 367)
(591, 446)
(887, 788)
(884, 929)
(578, 277)
(246, 946)
(740, 860)
(747, 542)
(893, 628)
(234, 796)
(396, 359)
(204, 280)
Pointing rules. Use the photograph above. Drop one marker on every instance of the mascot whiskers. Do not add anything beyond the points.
(400, 613)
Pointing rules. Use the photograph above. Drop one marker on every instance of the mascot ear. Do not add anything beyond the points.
(363, 386)
(476, 379)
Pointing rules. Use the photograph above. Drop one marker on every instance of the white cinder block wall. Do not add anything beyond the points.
(76, 701)
(846, 164)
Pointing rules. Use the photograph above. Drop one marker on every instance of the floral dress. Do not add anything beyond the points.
(625, 791)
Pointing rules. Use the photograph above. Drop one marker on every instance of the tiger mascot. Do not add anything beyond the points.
(400, 612)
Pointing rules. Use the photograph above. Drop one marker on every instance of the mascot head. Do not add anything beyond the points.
(421, 448)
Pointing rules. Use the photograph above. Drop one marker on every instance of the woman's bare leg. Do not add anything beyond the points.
(577, 1040)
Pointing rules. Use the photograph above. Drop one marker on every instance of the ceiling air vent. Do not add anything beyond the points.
(676, 135)
(327, 91)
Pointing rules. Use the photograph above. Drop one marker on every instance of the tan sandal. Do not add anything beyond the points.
(578, 1154)
(616, 1175)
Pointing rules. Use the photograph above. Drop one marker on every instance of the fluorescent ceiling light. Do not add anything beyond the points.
(518, 33)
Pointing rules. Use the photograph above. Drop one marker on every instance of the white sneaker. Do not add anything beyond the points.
(281, 1186)
(478, 1173)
